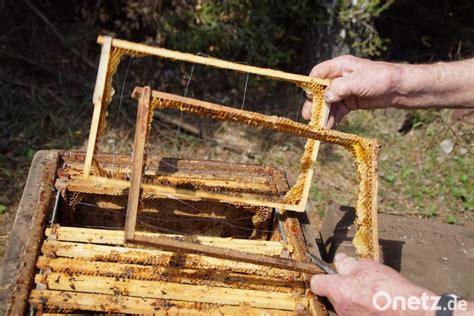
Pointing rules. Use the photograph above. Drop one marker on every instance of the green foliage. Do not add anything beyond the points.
(421, 118)
(451, 219)
(433, 212)
(356, 18)
(390, 178)
(29, 153)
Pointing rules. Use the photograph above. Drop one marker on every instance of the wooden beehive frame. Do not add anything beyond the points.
(363, 150)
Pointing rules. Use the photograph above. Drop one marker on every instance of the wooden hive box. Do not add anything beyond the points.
(76, 261)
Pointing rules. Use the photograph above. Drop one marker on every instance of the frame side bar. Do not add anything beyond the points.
(138, 162)
(97, 101)
(314, 156)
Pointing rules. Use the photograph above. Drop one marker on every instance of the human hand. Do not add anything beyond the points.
(357, 84)
(352, 289)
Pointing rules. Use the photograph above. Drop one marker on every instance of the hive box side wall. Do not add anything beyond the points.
(16, 276)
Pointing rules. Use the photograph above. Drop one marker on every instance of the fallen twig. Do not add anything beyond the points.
(182, 125)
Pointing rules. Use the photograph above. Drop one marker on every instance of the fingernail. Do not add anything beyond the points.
(329, 96)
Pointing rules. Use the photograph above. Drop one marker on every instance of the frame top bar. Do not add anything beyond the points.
(211, 61)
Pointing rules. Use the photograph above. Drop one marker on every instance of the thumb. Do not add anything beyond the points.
(326, 284)
(345, 264)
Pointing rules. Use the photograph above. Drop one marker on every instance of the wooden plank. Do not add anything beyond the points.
(372, 228)
(215, 252)
(157, 257)
(174, 164)
(259, 185)
(214, 62)
(169, 274)
(171, 291)
(209, 178)
(116, 237)
(106, 186)
(314, 156)
(97, 101)
(134, 305)
(138, 161)
(181, 168)
(18, 264)
(223, 184)
(73, 170)
(221, 112)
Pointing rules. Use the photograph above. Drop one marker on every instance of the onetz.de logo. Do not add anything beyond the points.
(383, 301)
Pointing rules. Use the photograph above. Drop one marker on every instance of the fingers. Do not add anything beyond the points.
(333, 113)
(345, 264)
(307, 109)
(324, 284)
(331, 123)
(333, 68)
(336, 113)
(344, 87)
